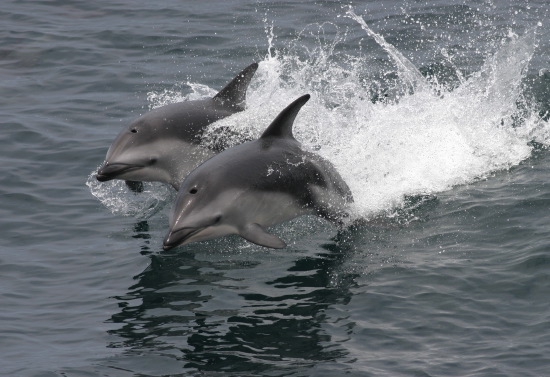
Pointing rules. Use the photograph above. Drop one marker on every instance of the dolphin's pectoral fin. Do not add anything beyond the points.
(135, 186)
(255, 233)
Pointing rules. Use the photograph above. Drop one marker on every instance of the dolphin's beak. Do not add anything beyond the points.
(111, 171)
(178, 237)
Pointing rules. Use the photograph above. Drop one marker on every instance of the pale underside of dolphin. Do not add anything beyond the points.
(255, 185)
(165, 144)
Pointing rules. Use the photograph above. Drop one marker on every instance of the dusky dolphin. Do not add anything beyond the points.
(165, 143)
(252, 186)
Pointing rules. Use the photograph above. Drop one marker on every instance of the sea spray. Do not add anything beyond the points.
(389, 140)
(118, 199)
(424, 140)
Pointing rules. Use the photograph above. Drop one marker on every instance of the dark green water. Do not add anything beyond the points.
(435, 113)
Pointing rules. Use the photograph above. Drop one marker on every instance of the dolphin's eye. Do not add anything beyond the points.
(153, 160)
(193, 190)
(133, 130)
(218, 219)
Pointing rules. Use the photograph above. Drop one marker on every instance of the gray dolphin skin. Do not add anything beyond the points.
(165, 144)
(255, 185)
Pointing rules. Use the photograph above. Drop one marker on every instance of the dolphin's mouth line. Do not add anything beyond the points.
(188, 235)
(111, 171)
(179, 240)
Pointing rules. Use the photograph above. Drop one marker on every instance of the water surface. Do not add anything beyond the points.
(435, 113)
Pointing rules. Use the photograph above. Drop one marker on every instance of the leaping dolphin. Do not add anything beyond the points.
(255, 185)
(165, 144)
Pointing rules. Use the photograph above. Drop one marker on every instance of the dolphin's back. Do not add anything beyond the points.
(186, 120)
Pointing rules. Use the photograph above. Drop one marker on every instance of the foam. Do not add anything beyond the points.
(422, 139)
(118, 199)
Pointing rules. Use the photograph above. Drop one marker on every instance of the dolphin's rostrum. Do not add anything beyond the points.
(255, 185)
(165, 144)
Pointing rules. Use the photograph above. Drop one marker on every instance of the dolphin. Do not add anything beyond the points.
(165, 143)
(255, 185)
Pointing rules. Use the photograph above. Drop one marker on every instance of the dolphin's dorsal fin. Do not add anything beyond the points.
(234, 93)
(282, 125)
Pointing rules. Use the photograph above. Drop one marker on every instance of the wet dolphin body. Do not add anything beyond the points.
(247, 188)
(164, 144)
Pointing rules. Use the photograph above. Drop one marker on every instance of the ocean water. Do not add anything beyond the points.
(436, 113)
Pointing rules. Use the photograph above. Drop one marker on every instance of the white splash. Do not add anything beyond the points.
(121, 201)
(165, 97)
(423, 140)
